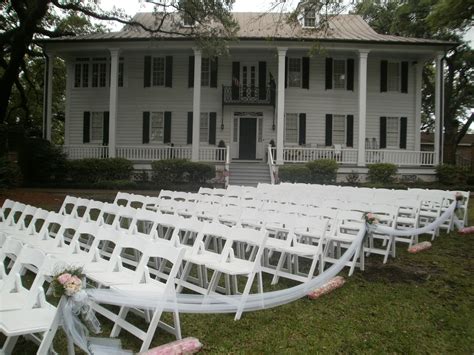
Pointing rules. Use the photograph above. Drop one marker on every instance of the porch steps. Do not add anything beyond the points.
(249, 173)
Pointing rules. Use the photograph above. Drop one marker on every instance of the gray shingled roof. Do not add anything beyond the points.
(349, 28)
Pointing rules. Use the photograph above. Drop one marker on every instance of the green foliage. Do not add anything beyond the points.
(41, 162)
(91, 171)
(448, 174)
(115, 185)
(10, 173)
(294, 173)
(384, 173)
(353, 178)
(323, 171)
(178, 171)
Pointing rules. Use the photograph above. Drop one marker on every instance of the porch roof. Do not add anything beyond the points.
(258, 26)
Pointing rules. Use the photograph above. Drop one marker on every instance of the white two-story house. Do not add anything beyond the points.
(274, 99)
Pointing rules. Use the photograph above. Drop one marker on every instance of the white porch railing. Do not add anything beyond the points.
(400, 157)
(145, 153)
(302, 155)
(153, 153)
(212, 154)
(85, 151)
(227, 167)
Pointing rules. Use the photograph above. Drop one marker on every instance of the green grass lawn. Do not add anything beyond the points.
(416, 303)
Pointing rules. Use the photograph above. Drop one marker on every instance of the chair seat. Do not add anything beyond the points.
(303, 249)
(274, 243)
(152, 286)
(204, 258)
(12, 301)
(26, 321)
(233, 267)
(406, 220)
(112, 278)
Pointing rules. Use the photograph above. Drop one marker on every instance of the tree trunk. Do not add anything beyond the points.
(32, 14)
(449, 151)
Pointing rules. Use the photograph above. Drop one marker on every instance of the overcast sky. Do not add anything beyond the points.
(133, 6)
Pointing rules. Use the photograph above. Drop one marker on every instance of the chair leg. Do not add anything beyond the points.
(151, 330)
(116, 328)
(244, 296)
(281, 261)
(9, 345)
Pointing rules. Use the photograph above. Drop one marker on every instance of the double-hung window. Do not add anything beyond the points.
(99, 72)
(309, 18)
(291, 128)
(158, 71)
(205, 71)
(97, 127)
(81, 73)
(204, 128)
(294, 72)
(157, 124)
(393, 132)
(393, 76)
(339, 73)
(339, 129)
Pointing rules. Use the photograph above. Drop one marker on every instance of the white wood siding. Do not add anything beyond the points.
(133, 98)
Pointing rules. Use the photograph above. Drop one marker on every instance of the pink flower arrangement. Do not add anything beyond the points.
(68, 282)
(328, 287)
(419, 247)
(370, 218)
(184, 346)
(466, 230)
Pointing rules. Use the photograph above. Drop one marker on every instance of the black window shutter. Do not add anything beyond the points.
(383, 75)
(189, 137)
(404, 87)
(302, 133)
(146, 128)
(262, 80)
(328, 130)
(214, 64)
(328, 74)
(235, 80)
(350, 74)
(86, 127)
(167, 133)
(105, 134)
(169, 71)
(403, 132)
(286, 72)
(350, 131)
(383, 132)
(212, 128)
(147, 72)
(191, 72)
(305, 71)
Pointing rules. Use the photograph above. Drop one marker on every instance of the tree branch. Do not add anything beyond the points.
(462, 132)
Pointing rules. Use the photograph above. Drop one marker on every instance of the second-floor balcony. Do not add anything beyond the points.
(248, 95)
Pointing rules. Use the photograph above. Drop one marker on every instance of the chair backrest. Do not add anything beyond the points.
(166, 195)
(68, 205)
(122, 199)
(6, 209)
(108, 215)
(80, 208)
(38, 224)
(144, 222)
(93, 210)
(249, 236)
(205, 191)
(21, 216)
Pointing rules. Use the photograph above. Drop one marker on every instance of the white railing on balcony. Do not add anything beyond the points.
(212, 154)
(302, 155)
(150, 153)
(400, 157)
(227, 167)
(85, 151)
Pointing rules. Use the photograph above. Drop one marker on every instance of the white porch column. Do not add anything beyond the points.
(438, 108)
(362, 105)
(196, 104)
(114, 61)
(418, 87)
(48, 96)
(280, 105)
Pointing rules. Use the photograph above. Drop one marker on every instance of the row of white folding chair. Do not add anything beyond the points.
(24, 311)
